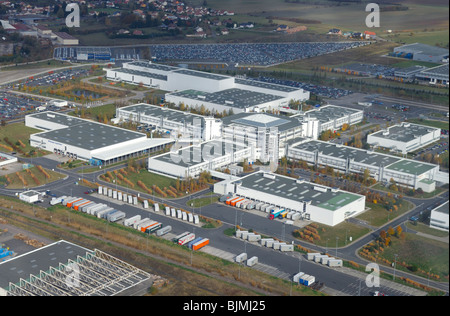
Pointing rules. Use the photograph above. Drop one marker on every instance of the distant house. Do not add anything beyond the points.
(65, 38)
(248, 25)
(282, 28)
(357, 35)
(370, 35)
(335, 32)
(138, 32)
(43, 30)
(225, 32)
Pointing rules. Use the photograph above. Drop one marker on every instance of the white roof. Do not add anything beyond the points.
(108, 154)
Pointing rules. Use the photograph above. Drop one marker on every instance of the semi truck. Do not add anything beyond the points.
(185, 239)
(116, 216)
(241, 258)
(274, 213)
(153, 228)
(164, 230)
(200, 244)
(57, 200)
(252, 261)
(132, 220)
(229, 201)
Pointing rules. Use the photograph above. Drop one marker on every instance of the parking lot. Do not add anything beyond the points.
(14, 106)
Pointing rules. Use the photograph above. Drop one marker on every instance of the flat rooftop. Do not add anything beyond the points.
(442, 208)
(162, 112)
(195, 154)
(40, 259)
(302, 191)
(344, 152)
(237, 98)
(262, 120)
(404, 132)
(149, 65)
(58, 118)
(201, 74)
(436, 71)
(86, 134)
(422, 49)
(141, 73)
(329, 113)
(411, 167)
(265, 85)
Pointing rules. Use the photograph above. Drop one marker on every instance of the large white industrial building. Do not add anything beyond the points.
(405, 137)
(182, 123)
(318, 203)
(439, 217)
(189, 162)
(382, 167)
(100, 144)
(215, 92)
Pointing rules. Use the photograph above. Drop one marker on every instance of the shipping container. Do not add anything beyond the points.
(318, 258)
(251, 205)
(145, 203)
(153, 228)
(173, 212)
(132, 220)
(100, 190)
(125, 197)
(196, 219)
(269, 243)
(269, 208)
(180, 236)
(189, 244)
(119, 196)
(258, 205)
(190, 218)
(287, 247)
(252, 261)
(114, 195)
(228, 202)
(277, 245)
(311, 255)
(146, 225)
(234, 202)
(200, 244)
(263, 241)
(156, 207)
(110, 193)
(135, 200)
(130, 199)
(103, 213)
(117, 216)
(77, 205)
(303, 278)
(70, 203)
(296, 277)
(184, 216)
(296, 216)
(105, 191)
(96, 208)
(324, 260)
(239, 232)
(253, 237)
(140, 223)
(185, 239)
(245, 203)
(167, 211)
(309, 280)
(162, 231)
(86, 206)
(57, 200)
(335, 263)
(179, 215)
(241, 258)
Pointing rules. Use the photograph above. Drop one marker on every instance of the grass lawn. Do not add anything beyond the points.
(377, 215)
(16, 182)
(421, 252)
(18, 132)
(432, 123)
(202, 201)
(423, 228)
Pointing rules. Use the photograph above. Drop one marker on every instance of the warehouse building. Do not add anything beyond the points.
(382, 167)
(422, 52)
(329, 117)
(434, 76)
(234, 100)
(325, 205)
(405, 137)
(192, 160)
(178, 123)
(216, 92)
(66, 269)
(100, 144)
(439, 217)
(265, 133)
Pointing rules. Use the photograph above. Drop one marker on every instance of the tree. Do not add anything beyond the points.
(398, 231)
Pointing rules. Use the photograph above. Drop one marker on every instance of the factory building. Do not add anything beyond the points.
(422, 52)
(178, 123)
(405, 137)
(215, 92)
(439, 217)
(189, 162)
(435, 76)
(100, 144)
(318, 203)
(382, 167)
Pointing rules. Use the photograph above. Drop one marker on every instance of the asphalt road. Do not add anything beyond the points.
(286, 264)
